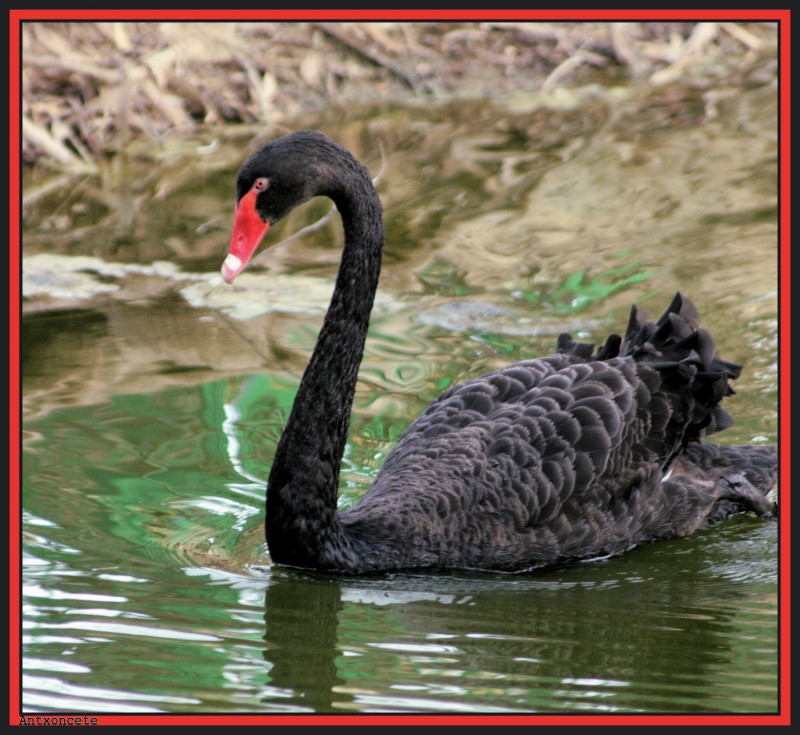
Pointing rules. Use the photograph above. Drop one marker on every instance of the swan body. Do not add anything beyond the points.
(580, 454)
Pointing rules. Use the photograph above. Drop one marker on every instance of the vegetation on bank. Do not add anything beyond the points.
(90, 88)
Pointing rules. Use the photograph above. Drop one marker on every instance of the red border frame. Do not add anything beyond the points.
(16, 17)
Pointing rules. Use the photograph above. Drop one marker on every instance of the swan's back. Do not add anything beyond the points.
(562, 457)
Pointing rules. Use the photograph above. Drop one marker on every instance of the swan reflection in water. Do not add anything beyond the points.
(560, 640)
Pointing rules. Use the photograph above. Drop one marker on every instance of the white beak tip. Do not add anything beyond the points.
(231, 268)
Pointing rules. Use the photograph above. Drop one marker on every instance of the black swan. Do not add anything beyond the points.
(580, 454)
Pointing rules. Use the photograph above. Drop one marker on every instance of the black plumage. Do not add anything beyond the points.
(580, 454)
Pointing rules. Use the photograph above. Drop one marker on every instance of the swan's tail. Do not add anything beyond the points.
(757, 464)
(737, 478)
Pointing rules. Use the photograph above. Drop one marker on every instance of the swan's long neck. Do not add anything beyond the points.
(302, 525)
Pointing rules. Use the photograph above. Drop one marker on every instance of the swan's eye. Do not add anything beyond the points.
(261, 184)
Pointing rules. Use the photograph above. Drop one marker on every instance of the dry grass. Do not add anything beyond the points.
(91, 88)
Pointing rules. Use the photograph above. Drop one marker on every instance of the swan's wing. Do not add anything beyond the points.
(524, 440)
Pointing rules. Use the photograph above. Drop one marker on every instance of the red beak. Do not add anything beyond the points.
(248, 231)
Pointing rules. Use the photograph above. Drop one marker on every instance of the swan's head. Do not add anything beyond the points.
(271, 183)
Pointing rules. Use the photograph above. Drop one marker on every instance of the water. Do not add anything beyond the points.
(154, 396)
